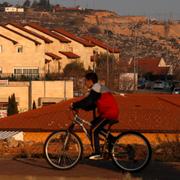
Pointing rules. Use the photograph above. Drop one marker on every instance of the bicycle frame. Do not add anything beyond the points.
(81, 122)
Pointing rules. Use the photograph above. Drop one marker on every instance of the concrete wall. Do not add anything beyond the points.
(21, 92)
(38, 91)
(42, 90)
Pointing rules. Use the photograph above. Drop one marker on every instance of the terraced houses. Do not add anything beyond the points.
(32, 50)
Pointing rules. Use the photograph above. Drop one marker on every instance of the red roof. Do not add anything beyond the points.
(9, 39)
(46, 31)
(53, 56)
(141, 112)
(150, 64)
(36, 42)
(101, 44)
(69, 55)
(72, 36)
(46, 40)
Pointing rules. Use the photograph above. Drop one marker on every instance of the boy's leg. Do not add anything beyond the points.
(94, 123)
(95, 134)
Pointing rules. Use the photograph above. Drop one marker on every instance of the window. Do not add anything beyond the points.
(17, 71)
(71, 49)
(26, 71)
(20, 49)
(1, 48)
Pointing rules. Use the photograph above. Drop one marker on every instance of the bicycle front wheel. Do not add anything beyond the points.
(63, 149)
(131, 151)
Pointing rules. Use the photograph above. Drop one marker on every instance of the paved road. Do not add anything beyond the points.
(33, 169)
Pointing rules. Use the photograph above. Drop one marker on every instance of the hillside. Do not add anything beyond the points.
(150, 38)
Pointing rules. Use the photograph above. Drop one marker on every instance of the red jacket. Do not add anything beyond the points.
(107, 106)
(101, 98)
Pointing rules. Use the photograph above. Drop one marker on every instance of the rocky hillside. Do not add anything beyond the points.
(134, 35)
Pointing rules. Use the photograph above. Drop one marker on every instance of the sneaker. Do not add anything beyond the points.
(95, 157)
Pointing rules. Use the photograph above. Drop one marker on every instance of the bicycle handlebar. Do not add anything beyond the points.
(76, 113)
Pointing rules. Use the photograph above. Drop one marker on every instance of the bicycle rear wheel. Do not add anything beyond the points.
(63, 149)
(131, 151)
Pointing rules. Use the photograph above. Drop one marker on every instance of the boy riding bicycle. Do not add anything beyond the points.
(101, 98)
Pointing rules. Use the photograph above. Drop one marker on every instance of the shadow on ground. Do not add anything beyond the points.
(155, 170)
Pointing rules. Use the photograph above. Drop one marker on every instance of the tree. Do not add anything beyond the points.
(77, 71)
(34, 4)
(12, 105)
(44, 5)
(74, 69)
(34, 105)
(107, 68)
(94, 30)
(5, 4)
(177, 73)
(27, 4)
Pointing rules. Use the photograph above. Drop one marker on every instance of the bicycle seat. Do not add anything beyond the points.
(111, 122)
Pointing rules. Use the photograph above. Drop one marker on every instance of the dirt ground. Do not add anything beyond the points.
(38, 169)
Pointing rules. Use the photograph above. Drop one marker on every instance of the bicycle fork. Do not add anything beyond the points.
(62, 156)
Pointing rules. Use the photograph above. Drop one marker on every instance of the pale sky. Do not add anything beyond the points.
(155, 8)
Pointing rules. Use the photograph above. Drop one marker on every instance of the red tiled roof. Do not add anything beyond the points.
(70, 55)
(141, 112)
(36, 42)
(53, 56)
(9, 39)
(46, 40)
(150, 64)
(46, 31)
(72, 36)
(101, 44)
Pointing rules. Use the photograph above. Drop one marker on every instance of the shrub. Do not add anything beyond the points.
(12, 105)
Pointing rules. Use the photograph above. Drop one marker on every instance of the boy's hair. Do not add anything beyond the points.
(92, 76)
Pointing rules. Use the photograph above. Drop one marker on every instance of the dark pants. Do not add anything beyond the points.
(97, 126)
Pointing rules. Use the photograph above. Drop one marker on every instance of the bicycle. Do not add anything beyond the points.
(129, 150)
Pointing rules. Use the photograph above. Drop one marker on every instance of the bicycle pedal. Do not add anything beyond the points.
(97, 158)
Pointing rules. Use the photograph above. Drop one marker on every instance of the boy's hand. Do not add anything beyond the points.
(71, 106)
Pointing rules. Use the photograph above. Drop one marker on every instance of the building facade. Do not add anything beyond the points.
(34, 50)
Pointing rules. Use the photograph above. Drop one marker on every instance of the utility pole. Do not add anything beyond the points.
(134, 29)
(107, 61)
(107, 64)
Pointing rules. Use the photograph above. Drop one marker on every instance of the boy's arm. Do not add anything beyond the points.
(88, 103)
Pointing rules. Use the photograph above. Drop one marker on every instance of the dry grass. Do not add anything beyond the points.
(168, 149)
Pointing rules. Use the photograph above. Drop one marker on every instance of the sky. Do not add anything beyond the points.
(153, 8)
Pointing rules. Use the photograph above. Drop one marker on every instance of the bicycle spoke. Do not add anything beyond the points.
(63, 149)
(131, 151)
(69, 159)
(60, 159)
